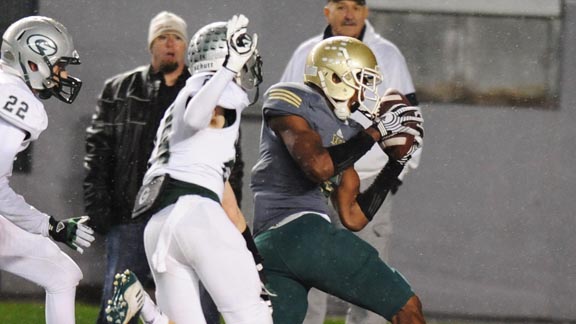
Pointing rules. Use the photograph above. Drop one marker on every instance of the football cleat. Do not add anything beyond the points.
(127, 300)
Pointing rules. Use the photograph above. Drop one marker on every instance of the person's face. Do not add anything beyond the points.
(168, 52)
(346, 18)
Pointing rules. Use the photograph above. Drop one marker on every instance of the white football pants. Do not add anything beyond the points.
(191, 241)
(38, 259)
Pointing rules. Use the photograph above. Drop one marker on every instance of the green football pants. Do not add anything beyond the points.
(311, 252)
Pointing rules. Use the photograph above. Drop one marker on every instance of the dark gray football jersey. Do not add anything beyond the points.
(279, 186)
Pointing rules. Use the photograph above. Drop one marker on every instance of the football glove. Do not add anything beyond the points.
(72, 232)
(241, 46)
(395, 121)
(127, 299)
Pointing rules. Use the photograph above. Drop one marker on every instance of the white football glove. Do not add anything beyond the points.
(241, 46)
(394, 121)
(72, 232)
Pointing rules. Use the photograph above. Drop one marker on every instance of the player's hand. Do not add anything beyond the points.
(395, 121)
(72, 232)
(241, 46)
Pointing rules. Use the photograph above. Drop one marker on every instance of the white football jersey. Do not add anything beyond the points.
(203, 157)
(22, 119)
(19, 106)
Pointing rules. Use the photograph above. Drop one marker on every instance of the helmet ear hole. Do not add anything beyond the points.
(33, 66)
(335, 78)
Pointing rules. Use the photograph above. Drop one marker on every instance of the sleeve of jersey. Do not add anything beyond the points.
(199, 110)
(284, 100)
(21, 109)
(233, 98)
(13, 206)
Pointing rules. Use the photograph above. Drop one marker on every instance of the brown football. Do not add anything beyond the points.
(397, 146)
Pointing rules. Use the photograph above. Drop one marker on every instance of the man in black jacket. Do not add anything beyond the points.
(119, 142)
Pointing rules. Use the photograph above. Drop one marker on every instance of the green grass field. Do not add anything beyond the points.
(14, 312)
(33, 313)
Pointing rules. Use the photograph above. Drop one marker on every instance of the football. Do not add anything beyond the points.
(397, 146)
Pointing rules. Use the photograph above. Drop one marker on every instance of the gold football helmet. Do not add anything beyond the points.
(340, 66)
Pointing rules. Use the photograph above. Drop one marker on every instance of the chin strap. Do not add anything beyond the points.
(24, 71)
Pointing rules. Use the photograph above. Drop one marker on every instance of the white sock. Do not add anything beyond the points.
(151, 314)
(60, 307)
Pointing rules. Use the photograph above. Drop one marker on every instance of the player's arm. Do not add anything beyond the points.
(344, 200)
(200, 112)
(305, 147)
(230, 206)
(356, 208)
(13, 206)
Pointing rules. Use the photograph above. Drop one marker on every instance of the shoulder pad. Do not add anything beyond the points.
(22, 109)
(289, 98)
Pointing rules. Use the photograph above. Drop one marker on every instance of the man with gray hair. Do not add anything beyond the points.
(349, 18)
(119, 142)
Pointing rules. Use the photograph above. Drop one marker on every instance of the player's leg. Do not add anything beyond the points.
(377, 234)
(177, 287)
(317, 299)
(339, 263)
(290, 301)
(209, 242)
(130, 300)
(370, 283)
(38, 259)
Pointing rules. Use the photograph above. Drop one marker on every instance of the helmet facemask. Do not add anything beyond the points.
(65, 89)
(365, 81)
(250, 77)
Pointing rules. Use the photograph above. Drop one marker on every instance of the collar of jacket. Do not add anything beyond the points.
(159, 76)
(328, 32)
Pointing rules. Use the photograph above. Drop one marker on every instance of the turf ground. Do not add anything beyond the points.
(14, 312)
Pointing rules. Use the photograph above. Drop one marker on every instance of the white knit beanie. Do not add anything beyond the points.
(166, 22)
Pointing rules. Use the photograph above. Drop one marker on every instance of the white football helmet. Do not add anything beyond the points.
(32, 46)
(341, 65)
(208, 50)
